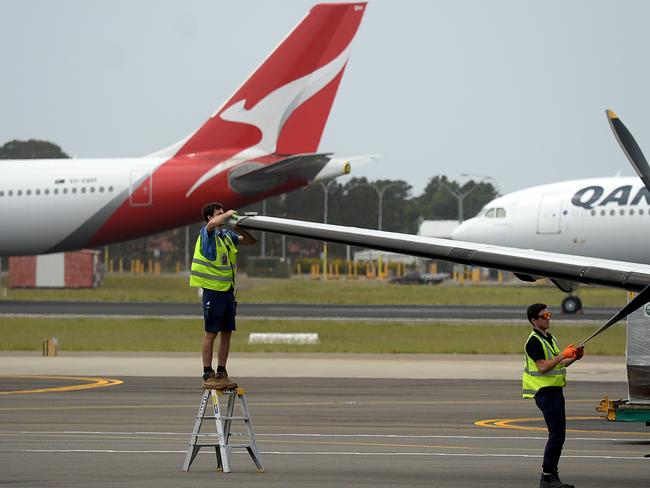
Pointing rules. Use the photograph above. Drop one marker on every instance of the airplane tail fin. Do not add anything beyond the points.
(283, 106)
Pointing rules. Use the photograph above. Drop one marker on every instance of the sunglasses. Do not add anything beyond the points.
(545, 316)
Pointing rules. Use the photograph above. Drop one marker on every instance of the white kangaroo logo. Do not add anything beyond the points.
(268, 116)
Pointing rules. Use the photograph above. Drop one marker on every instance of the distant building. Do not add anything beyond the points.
(78, 269)
(440, 229)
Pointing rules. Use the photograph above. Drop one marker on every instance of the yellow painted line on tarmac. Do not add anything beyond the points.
(91, 383)
(510, 424)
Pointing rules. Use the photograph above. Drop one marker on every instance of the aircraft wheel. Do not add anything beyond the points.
(571, 305)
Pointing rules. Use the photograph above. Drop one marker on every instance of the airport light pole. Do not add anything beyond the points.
(380, 210)
(485, 177)
(380, 196)
(459, 196)
(326, 191)
(263, 250)
(187, 248)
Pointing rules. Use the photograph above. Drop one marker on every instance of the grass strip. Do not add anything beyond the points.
(170, 335)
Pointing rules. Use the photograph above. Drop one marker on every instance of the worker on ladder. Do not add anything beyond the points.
(214, 266)
(543, 379)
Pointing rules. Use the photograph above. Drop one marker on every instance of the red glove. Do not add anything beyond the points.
(570, 352)
(580, 351)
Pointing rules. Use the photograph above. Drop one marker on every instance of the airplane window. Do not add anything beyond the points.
(92, 189)
(56, 191)
(83, 189)
(2, 194)
(501, 213)
(631, 211)
(10, 193)
(602, 212)
(101, 189)
(622, 211)
(65, 191)
(46, 191)
(612, 212)
(593, 212)
(74, 190)
(110, 188)
(640, 211)
(19, 192)
(38, 192)
(28, 192)
(490, 213)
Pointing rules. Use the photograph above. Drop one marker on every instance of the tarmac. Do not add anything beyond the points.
(106, 420)
(295, 311)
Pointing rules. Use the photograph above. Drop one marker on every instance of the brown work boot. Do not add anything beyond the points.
(218, 381)
(224, 382)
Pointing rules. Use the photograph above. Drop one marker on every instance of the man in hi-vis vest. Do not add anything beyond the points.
(214, 269)
(544, 377)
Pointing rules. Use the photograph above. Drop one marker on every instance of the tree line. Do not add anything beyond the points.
(353, 203)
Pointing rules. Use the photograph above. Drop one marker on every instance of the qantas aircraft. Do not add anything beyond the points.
(599, 217)
(262, 142)
(570, 217)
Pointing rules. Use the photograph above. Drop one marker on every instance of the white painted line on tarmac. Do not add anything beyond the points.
(324, 453)
(347, 436)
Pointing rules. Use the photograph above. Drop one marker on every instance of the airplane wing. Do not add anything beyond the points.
(527, 264)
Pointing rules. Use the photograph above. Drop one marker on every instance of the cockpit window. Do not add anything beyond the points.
(501, 213)
(490, 213)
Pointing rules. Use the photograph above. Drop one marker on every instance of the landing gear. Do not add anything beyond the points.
(571, 305)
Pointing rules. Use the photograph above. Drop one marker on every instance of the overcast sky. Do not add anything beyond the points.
(513, 89)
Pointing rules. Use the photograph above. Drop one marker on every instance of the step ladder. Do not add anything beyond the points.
(223, 419)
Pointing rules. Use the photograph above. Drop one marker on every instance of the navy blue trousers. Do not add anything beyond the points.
(551, 402)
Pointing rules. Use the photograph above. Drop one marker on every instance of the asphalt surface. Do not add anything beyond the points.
(291, 311)
(316, 432)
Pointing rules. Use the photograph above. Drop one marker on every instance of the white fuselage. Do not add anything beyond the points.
(600, 217)
(42, 202)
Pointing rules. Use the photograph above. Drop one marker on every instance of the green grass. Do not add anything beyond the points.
(335, 337)
(174, 288)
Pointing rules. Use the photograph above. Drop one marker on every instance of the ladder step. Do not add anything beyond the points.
(233, 446)
(224, 417)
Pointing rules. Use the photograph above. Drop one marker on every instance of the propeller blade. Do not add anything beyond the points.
(637, 302)
(630, 147)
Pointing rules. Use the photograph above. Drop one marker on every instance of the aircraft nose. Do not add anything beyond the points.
(463, 232)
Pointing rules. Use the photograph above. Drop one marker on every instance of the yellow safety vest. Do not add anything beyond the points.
(219, 274)
(533, 379)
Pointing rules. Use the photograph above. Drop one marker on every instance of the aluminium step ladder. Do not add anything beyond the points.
(223, 418)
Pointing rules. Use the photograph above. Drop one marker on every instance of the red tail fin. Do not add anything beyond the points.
(285, 103)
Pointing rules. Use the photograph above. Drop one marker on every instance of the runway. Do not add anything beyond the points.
(291, 311)
(312, 432)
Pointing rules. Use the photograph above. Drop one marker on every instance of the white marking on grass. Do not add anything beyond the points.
(282, 338)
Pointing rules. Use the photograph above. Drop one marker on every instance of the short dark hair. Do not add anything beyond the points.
(209, 209)
(533, 311)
